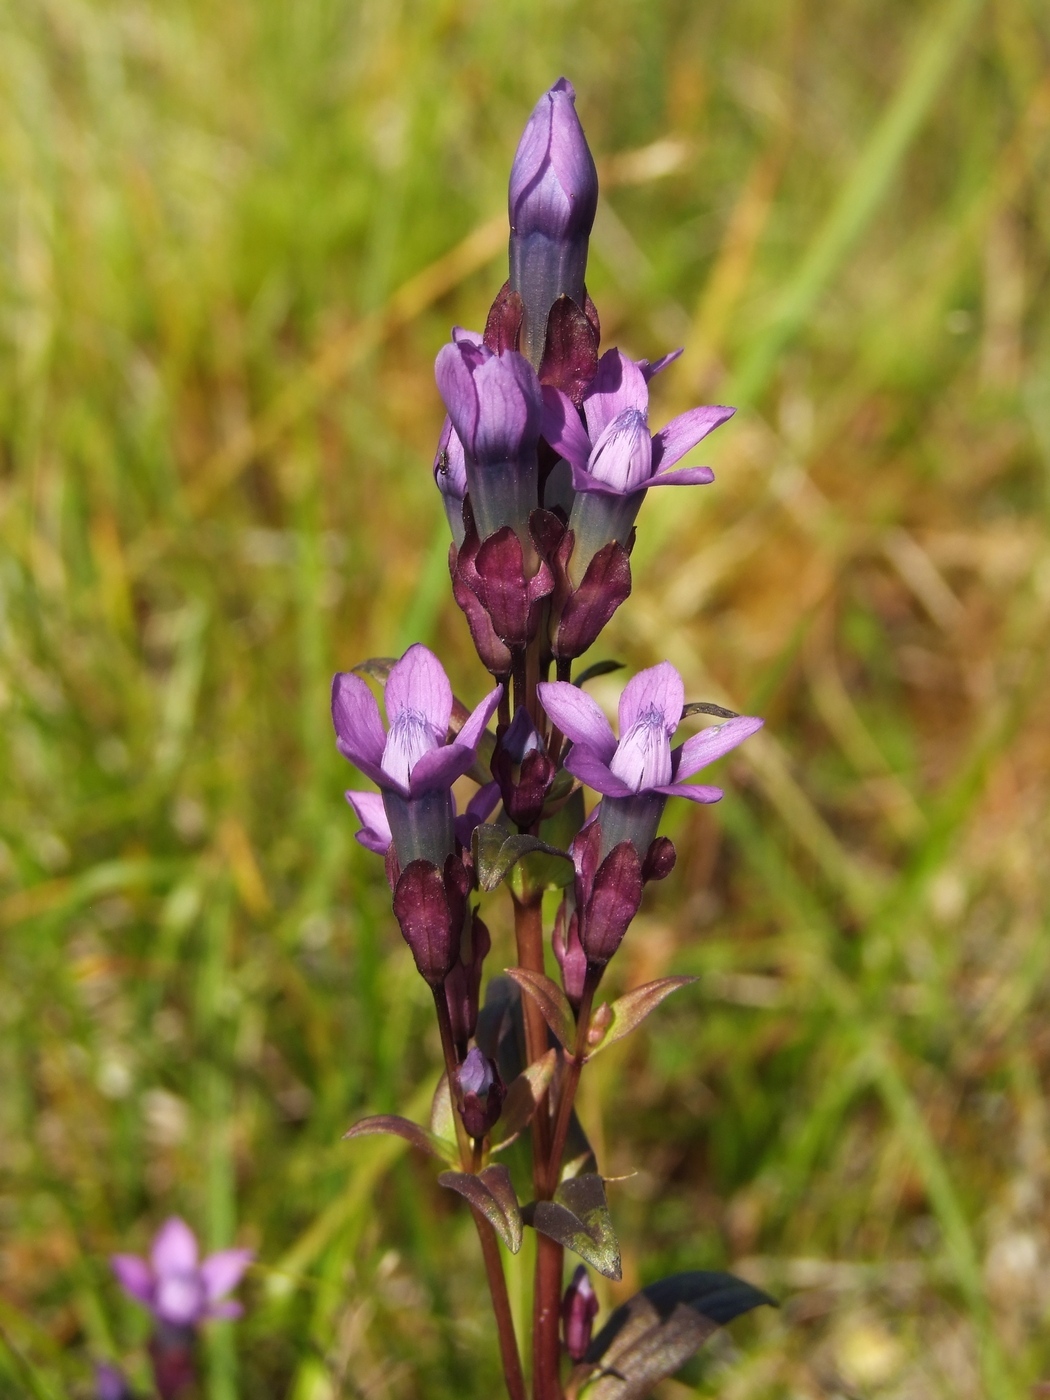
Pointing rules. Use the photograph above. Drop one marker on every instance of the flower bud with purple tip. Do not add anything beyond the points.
(552, 200)
(430, 905)
(480, 1092)
(523, 770)
(579, 1308)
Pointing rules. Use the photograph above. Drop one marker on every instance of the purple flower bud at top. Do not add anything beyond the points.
(552, 200)
(480, 1092)
(495, 406)
(523, 770)
(450, 477)
(579, 1307)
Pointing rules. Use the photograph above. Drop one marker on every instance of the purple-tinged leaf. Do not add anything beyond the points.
(491, 1193)
(496, 852)
(551, 1000)
(429, 1143)
(705, 707)
(578, 1218)
(523, 1098)
(630, 1010)
(376, 668)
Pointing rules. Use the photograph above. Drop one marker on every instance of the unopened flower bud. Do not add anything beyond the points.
(463, 984)
(481, 1093)
(579, 1307)
(450, 477)
(523, 770)
(552, 201)
(569, 952)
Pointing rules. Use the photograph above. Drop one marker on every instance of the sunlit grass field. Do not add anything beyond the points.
(232, 238)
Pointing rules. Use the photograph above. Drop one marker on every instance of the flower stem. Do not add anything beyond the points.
(469, 1159)
(570, 1083)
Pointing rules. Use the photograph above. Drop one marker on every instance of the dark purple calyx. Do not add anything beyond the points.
(463, 983)
(608, 893)
(508, 588)
(430, 904)
(569, 951)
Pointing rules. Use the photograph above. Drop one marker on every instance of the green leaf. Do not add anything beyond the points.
(630, 1010)
(429, 1143)
(649, 1337)
(496, 852)
(442, 1121)
(579, 1219)
(376, 668)
(551, 1000)
(523, 1098)
(492, 1193)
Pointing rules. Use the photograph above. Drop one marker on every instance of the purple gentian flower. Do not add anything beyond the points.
(552, 200)
(496, 408)
(637, 774)
(111, 1383)
(415, 764)
(480, 1092)
(450, 476)
(614, 459)
(177, 1286)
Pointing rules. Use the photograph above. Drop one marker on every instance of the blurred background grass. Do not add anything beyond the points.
(232, 239)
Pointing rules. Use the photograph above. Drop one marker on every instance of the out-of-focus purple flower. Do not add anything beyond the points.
(495, 407)
(579, 1308)
(111, 1383)
(430, 905)
(551, 201)
(614, 459)
(175, 1284)
(523, 770)
(637, 774)
(416, 763)
(481, 1092)
(450, 477)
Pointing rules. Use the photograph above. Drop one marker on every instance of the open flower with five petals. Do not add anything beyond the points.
(175, 1284)
(416, 762)
(637, 773)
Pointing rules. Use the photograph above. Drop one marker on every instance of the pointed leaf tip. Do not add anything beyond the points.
(491, 1193)
(578, 1218)
(411, 1132)
(551, 1000)
(629, 1011)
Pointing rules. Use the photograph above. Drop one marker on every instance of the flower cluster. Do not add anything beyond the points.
(543, 463)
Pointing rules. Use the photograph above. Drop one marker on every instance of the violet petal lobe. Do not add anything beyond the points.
(713, 743)
(418, 683)
(618, 385)
(683, 476)
(510, 406)
(651, 368)
(659, 687)
(450, 467)
(439, 768)
(578, 717)
(695, 792)
(474, 726)
(584, 764)
(228, 1312)
(643, 756)
(375, 832)
(562, 428)
(174, 1249)
(134, 1275)
(454, 371)
(684, 432)
(221, 1272)
(360, 736)
(622, 457)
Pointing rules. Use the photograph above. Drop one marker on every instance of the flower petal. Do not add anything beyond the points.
(174, 1249)
(619, 384)
(658, 687)
(454, 371)
(684, 476)
(355, 714)
(562, 427)
(695, 792)
(134, 1275)
(685, 431)
(712, 743)
(582, 763)
(224, 1311)
(622, 457)
(223, 1271)
(651, 368)
(440, 768)
(578, 717)
(418, 682)
(470, 735)
(375, 832)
